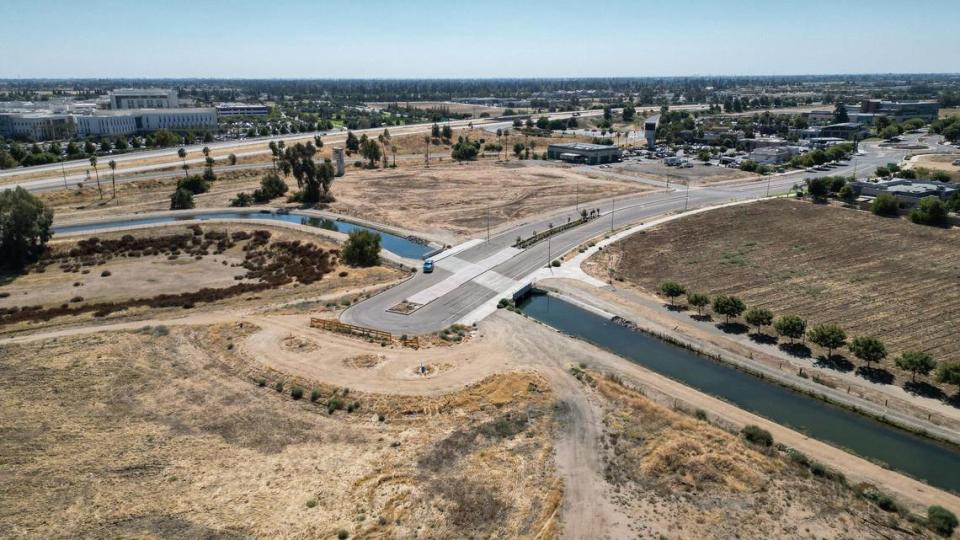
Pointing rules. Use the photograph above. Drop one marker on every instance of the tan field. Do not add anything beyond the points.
(870, 275)
(447, 200)
(939, 162)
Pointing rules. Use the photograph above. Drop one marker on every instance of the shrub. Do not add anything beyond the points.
(278, 386)
(334, 405)
(798, 457)
(296, 392)
(941, 520)
(181, 199)
(881, 499)
(930, 211)
(700, 414)
(242, 199)
(311, 503)
(503, 303)
(885, 205)
(314, 395)
(105, 273)
(757, 435)
(194, 184)
(342, 534)
(261, 382)
(555, 263)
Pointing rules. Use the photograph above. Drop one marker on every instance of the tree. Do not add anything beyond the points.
(435, 131)
(447, 132)
(728, 306)
(182, 152)
(113, 177)
(194, 184)
(181, 199)
(629, 111)
(271, 187)
(93, 163)
(465, 149)
(242, 199)
(24, 227)
(790, 326)
(362, 248)
(868, 349)
(916, 362)
(930, 211)
(353, 143)
(163, 138)
(818, 188)
(697, 300)
(370, 149)
(949, 373)
(885, 204)
(671, 290)
(940, 176)
(232, 159)
(840, 115)
(758, 317)
(828, 336)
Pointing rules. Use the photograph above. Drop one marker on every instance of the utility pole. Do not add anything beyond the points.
(548, 251)
(488, 224)
(769, 179)
(613, 209)
(686, 198)
(64, 173)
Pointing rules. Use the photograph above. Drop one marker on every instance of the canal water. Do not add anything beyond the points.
(936, 463)
(398, 245)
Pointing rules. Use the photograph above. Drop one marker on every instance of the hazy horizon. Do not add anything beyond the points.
(108, 39)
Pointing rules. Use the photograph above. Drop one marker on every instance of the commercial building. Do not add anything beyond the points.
(241, 109)
(908, 192)
(845, 130)
(578, 152)
(36, 126)
(868, 110)
(773, 155)
(143, 98)
(52, 126)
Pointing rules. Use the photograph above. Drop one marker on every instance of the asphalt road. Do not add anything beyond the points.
(464, 299)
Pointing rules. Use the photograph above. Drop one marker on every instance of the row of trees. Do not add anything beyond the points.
(828, 336)
(929, 211)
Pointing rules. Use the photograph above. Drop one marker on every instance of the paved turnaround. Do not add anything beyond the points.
(480, 274)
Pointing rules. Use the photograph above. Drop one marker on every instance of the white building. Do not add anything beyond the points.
(36, 126)
(241, 109)
(129, 122)
(143, 98)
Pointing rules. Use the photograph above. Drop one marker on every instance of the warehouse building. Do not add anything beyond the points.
(577, 152)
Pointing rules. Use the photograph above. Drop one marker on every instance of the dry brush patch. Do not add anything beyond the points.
(171, 433)
(872, 276)
(680, 476)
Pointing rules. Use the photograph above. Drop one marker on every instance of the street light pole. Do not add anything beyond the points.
(613, 210)
(686, 198)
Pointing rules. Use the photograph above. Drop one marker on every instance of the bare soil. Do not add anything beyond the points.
(873, 276)
(457, 199)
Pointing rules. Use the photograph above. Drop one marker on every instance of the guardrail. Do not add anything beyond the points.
(526, 242)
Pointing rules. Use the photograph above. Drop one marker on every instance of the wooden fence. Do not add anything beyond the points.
(334, 325)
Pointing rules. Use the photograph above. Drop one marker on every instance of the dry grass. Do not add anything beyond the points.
(873, 276)
(682, 477)
(152, 435)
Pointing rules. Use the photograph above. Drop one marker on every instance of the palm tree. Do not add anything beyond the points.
(93, 163)
(113, 177)
(182, 152)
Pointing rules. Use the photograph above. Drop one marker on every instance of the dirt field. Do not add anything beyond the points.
(872, 276)
(116, 278)
(697, 176)
(939, 162)
(453, 200)
(144, 434)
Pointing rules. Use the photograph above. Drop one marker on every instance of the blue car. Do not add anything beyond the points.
(428, 266)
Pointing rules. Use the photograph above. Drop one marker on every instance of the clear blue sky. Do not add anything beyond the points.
(477, 38)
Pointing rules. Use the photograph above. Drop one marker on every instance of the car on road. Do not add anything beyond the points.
(428, 266)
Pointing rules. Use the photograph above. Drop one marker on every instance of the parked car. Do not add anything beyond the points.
(428, 266)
